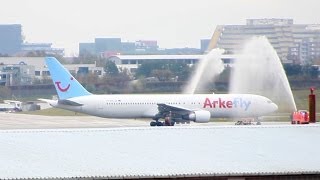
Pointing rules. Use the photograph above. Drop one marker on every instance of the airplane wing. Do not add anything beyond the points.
(164, 108)
(173, 114)
(69, 103)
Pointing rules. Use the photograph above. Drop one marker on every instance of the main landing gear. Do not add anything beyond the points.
(168, 121)
(159, 123)
(156, 123)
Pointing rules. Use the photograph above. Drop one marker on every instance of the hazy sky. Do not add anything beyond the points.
(173, 23)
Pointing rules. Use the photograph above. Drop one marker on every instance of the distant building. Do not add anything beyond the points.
(84, 69)
(287, 38)
(16, 74)
(204, 44)
(24, 70)
(181, 51)
(10, 39)
(132, 62)
(147, 45)
(128, 47)
(307, 51)
(41, 47)
(87, 48)
(106, 47)
(11, 43)
(113, 46)
(107, 44)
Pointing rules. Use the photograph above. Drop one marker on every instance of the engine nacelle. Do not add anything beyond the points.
(199, 116)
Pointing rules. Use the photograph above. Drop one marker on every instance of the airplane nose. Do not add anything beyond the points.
(274, 106)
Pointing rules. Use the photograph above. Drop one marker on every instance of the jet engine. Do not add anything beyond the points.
(198, 116)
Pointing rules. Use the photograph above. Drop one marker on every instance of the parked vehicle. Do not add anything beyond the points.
(300, 117)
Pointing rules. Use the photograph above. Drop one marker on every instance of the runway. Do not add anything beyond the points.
(26, 121)
(88, 147)
(159, 152)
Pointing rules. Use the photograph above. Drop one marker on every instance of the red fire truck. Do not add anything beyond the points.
(300, 117)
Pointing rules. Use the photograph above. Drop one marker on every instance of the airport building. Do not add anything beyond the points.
(294, 43)
(14, 74)
(27, 70)
(35, 67)
(45, 48)
(132, 62)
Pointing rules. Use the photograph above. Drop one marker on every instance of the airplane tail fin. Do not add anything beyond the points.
(66, 85)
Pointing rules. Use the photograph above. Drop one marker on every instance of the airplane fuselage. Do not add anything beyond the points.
(146, 106)
(172, 108)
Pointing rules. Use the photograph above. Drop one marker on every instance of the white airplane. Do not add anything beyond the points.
(173, 108)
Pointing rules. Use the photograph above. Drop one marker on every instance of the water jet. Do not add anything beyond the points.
(258, 70)
(206, 71)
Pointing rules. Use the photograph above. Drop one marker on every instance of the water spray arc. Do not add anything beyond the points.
(206, 71)
(258, 70)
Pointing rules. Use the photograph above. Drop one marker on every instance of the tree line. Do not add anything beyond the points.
(116, 79)
(302, 72)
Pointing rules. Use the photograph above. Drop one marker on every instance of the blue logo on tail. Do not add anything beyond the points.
(66, 85)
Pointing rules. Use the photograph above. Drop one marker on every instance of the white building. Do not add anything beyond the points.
(41, 47)
(38, 69)
(285, 37)
(132, 62)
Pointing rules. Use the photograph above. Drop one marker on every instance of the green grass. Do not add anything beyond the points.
(301, 98)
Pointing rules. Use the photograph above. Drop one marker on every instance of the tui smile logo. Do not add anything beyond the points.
(63, 89)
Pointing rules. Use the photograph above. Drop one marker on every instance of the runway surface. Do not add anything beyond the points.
(25, 121)
(151, 152)
(75, 147)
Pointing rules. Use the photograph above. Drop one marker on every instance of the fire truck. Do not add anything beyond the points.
(300, 117)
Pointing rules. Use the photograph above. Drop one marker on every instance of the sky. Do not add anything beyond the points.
(173, 23)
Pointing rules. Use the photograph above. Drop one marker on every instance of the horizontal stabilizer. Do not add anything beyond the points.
(49, 101)
(69, 103)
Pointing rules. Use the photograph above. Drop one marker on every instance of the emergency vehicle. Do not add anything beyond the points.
(300, 117)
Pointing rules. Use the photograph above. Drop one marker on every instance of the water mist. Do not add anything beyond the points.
(206, 71)
(258, 70)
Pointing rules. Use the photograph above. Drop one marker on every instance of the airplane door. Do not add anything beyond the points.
(100, 108)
